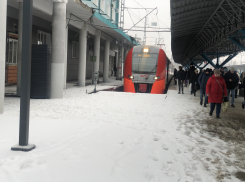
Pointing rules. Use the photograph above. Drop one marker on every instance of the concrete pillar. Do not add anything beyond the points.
(106, 61)
(122, 60)
(58, 49)
(3, 14)
(82, 58)
(20, 25)
(97, 51)
(66, 50)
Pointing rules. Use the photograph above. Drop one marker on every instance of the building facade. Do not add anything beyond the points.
(83, 36)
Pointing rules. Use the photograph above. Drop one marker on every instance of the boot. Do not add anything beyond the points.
(210, 113)
(195, 94)
(201, 102)
(218, 117)
(242, 105)
(204, 105)
(178, 92)
(182, 92)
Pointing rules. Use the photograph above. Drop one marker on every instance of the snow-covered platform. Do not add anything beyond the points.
(121, 137)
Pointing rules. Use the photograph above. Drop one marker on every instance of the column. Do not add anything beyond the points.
(118, 62)
(121, 62)
(97, 51)
(58, 49)
(66, 50)
(82, 57)
(3, 14)
(106, 61)
(20, 26)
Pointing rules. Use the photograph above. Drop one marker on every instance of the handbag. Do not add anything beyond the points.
(225, 104)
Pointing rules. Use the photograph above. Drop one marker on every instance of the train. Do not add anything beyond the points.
(147, 69)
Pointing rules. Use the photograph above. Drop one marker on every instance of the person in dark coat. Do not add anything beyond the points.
(181, 78)
(216, 89)
(194, 82)
(243, 93)
(175, 76)
(202, 80)
(231, 80)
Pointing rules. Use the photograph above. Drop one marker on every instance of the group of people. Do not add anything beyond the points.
(215, 85)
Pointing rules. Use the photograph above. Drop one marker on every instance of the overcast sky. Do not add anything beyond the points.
(161, 15)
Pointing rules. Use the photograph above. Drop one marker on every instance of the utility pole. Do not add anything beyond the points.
(122, 15)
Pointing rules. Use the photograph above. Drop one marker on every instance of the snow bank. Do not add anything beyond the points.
(110, 137)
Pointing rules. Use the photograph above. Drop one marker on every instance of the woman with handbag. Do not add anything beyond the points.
(216, 90)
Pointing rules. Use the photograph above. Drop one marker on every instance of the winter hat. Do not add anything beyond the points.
(225, 70)
(232, 69)
(216, 71)
(191, 64)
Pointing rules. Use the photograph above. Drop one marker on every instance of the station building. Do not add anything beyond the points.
(83, 36)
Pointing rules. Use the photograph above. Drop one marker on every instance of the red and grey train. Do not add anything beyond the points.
(146, 70)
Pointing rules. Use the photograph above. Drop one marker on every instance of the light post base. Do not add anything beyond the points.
(23, 148)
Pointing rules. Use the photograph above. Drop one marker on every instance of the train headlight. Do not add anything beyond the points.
(156, 77)
(145, 50)
(131, 77)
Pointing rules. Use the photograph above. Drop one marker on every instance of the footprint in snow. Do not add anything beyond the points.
(155, 138)
(164, 146)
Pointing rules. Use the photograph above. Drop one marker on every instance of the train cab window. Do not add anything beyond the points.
(144, 63)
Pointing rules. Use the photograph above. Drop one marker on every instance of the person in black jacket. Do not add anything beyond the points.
(175, 76)
(231, 80)
(202, 80)
(194, 82)
(181, 78)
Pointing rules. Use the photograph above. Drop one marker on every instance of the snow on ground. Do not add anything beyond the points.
(113, 137)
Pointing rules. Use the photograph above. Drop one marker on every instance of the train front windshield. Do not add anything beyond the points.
(144, 63)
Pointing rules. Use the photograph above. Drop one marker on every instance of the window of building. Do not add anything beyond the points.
(12, 51)
(96, 2)
(41, 38)
(108, 12)
(74, 50)
(102, 5)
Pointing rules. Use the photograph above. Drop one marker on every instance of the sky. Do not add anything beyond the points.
(161, 15)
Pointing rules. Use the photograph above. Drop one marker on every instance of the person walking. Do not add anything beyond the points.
(202, 80)
(231, 80)
(181, 78)
(216, 90)
(194, 82)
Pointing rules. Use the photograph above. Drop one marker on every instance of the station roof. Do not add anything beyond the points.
(200, 26)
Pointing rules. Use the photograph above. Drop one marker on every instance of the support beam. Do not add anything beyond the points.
(3, 14)
(25, 78)
(58, 49)
(204, 66)
(228, 59)
(20, 27)
(106, 61)
(237, 43)
(97, 51)
(208, 60)
(195, 63)
(82, 58)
